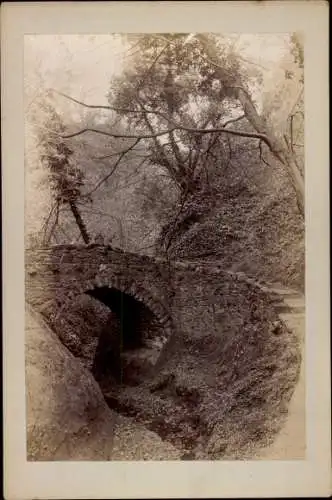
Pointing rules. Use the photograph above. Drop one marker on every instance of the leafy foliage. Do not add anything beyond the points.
(284, 90)
(170, 79)
(145, 187)
(65, 177)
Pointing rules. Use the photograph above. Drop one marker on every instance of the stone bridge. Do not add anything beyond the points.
(178, 299)
(102, 272)
(228, 363)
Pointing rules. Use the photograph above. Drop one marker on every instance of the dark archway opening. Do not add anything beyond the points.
(129, 343)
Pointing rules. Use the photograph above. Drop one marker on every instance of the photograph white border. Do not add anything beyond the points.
(67, 480)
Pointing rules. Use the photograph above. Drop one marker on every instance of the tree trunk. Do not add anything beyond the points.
(178, 176)
(288, 159)
(79, 221)
(279, 149)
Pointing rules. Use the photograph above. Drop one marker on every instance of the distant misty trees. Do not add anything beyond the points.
(178, 105)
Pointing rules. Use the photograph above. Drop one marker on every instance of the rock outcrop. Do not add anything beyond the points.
(67, 416)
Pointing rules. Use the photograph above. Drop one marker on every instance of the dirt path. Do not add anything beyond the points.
(290, 442)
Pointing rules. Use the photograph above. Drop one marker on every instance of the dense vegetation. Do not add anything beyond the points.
(196, 154)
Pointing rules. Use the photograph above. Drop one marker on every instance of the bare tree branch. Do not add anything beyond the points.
(81, 103)
(207, 152)
(238, 133)
(113, 134)
(123, 152)
(47, 220)
(153, 63)
(101, 106)
(261, 155)
(291, 132)
(111, 108)
(106, 177)
(171, 233)
(160, 150)
(233, 120)
(55, 223)
(297, 100)
(252, 62)
(176, 126)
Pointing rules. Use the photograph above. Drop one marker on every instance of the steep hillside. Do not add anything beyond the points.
(253, 224)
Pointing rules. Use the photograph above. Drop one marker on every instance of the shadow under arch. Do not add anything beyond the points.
(132, 340)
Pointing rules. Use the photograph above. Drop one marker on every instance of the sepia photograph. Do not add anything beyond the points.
(165, 263)
(164, 237)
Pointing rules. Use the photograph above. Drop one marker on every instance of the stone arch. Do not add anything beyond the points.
(122, 342)
(137, 292)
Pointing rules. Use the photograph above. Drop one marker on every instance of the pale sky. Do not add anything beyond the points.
(83, 65)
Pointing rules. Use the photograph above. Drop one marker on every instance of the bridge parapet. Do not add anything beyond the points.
(82, 267)
(56, 275)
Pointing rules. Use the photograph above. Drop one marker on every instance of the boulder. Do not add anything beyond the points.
(67, 416)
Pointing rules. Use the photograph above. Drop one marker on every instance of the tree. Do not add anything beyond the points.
(179, 118)
(150, 95)
(166, 82)
(296, 49)
(279, 146)
(65, 178)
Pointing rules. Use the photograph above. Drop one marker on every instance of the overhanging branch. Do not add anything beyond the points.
(176, 126)
(238, 133)
(106, 177)
(117, 153)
